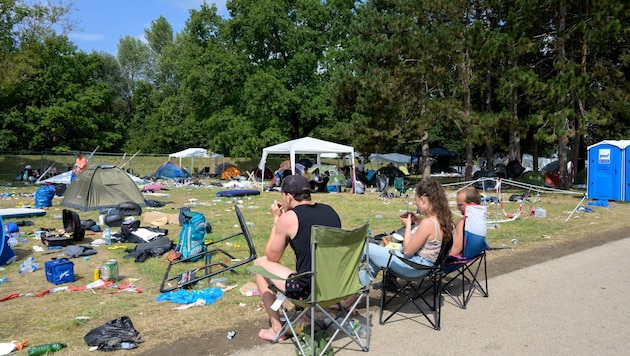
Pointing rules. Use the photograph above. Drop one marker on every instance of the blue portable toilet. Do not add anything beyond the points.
(608, 171)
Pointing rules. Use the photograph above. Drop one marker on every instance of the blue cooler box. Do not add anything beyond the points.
(59, 271)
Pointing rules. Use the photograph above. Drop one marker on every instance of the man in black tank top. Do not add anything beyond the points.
(293, 218)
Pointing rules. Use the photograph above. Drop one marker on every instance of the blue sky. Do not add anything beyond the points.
(103, 22)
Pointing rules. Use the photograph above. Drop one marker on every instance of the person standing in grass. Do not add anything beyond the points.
(80, 164)
(293, 218)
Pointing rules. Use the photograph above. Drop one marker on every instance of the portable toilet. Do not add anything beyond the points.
(609, 170)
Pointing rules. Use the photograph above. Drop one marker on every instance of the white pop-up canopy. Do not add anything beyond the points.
(191, 153)
(305, 145)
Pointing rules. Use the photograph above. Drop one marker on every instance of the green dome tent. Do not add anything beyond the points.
(102, 186)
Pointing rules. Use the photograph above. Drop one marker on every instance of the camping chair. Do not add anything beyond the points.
(251, 178)
(178, 275)
(414, 289)
(382, 184)
(336, 257)
(399, 186)
(473, 258)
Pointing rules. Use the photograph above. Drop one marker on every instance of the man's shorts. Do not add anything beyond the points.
(294, 290)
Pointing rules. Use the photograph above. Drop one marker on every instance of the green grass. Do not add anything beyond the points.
(53, 317)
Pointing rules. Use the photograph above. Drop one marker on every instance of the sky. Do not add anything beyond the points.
(102, 23)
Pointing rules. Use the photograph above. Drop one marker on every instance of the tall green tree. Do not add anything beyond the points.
(286, 42)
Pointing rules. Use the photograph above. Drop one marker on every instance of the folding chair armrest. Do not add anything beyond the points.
(259, 270)
(392, 253)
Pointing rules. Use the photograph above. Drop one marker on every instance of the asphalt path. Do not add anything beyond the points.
(576, 304)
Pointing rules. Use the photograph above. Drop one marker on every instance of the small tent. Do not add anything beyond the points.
(170, 169)
(102, 186)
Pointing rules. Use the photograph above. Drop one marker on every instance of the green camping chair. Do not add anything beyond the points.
(336, 257)
(400, 186)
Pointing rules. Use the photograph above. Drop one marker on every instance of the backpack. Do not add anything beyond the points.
(191, 237)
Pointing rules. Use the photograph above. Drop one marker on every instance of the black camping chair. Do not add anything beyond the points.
(416, 289)
(179, 275)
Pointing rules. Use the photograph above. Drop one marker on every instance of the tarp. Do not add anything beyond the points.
(396, 158)
(170, 169)
(305, 145)
(102, 186)
(64, 178)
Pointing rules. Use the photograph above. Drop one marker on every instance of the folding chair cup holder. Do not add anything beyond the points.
(416, 289)
(179, 274)
(336, 257)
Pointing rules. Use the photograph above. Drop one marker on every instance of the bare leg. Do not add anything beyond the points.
(268, 296)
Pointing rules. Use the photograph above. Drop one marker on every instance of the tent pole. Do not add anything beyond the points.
(576, 208)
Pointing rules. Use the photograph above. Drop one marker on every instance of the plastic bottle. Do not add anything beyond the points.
(3, 280)
(28, 265)
(45, 348)
(355, 326)
(29, 268)
(107, 235)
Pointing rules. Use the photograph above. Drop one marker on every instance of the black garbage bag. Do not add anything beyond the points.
(114, 335)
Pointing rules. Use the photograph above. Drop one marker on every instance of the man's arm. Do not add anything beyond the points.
(280, 233)
(458, 238)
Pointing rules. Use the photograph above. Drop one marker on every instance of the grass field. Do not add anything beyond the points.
(53, 317)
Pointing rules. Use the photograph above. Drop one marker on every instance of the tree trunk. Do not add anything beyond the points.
(426, 158)
(515, 138)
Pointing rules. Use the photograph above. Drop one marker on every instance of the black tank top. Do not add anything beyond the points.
(309, 215)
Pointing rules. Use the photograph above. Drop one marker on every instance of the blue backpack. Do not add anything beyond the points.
(191, 237)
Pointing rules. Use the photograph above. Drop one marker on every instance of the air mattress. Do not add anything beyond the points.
(237, 192)
(9, 213)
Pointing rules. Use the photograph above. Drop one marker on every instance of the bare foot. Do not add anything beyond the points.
(269, 334)
(346, 303)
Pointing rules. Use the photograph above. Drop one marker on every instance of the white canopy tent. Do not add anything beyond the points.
(305, 145)
(191, 153)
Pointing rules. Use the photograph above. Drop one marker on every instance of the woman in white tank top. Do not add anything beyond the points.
(422, 243)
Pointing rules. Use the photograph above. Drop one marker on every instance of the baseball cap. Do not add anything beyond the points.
(295, 184)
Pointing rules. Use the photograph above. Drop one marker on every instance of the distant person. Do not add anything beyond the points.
(80, 164)
(360, 166)
(25, 173)
(52, 172)
(293, 218)
(320, 185)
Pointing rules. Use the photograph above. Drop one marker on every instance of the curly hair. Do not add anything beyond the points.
(438, 205)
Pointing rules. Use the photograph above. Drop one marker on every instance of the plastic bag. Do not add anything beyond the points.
(321, 339)
(181, 296)
(113, 335)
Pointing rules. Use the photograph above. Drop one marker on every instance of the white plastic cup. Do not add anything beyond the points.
(101, 220)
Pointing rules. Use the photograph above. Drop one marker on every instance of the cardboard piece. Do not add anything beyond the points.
(154, 216)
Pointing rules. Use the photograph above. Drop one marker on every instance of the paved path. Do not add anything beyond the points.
(577, 304)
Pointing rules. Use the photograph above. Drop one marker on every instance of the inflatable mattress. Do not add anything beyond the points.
(237, 192)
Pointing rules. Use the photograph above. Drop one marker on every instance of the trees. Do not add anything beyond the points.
(478, 76)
